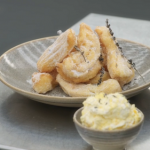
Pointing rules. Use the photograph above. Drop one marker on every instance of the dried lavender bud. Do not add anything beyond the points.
(130, 61)
(117, 43)
(133, 64)
(114, 38)
(101, 58)
(100, 81)
(102, 71)
(120, 48)
(110, 30)
(101, 75)
(106, 22)
(82, 53)
(108, 25)
(77, 48)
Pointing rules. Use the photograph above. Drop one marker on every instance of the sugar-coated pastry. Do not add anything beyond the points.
(43, 82)
(84, 90)
(117, 65)
(83, 65)
(80, 62)
(80, 78)
(54, 74)
(57, 51)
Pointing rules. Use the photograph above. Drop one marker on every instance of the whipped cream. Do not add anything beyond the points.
(109, 112)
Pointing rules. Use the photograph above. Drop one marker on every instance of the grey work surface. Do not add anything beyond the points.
(26, 124)
(130, 29)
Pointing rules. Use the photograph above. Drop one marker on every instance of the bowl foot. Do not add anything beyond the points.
(109, 148)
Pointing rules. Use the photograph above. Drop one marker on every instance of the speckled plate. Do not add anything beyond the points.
(18, 64)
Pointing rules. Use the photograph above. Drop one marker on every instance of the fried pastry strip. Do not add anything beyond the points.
(54, 74)
(85, 76)
(43, 82)
(57, 51)
(118, 66)
(79, 63)
(84, 90)
(96, 79)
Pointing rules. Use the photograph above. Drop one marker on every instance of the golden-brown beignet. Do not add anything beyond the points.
(57, 51)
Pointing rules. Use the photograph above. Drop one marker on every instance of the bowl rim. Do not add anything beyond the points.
(105, 131)
(58, 97)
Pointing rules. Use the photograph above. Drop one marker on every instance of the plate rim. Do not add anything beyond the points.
(58, 97)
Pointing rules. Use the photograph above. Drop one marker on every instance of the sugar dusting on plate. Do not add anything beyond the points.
(29, 81)
(130, 85)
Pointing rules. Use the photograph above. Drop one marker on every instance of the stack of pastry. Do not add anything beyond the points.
(83, 65)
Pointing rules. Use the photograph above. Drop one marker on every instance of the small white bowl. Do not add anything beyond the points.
(107, 140)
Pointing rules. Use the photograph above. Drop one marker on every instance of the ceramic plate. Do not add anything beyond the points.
(18, 64)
